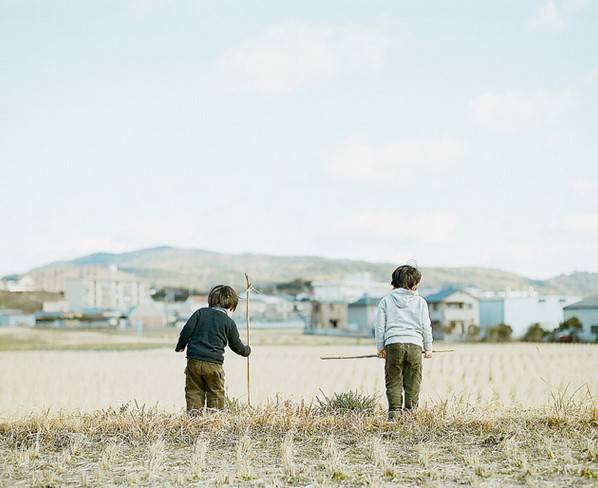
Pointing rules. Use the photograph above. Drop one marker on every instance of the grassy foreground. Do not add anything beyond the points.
(298, 445)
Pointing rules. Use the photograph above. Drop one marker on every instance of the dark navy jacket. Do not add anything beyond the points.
(206, 334)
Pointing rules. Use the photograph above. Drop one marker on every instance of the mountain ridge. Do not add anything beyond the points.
(199, 268)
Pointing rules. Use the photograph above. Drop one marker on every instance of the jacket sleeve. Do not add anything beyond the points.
(426, 326)
(234, 341)
(187, 331)
(380, 325)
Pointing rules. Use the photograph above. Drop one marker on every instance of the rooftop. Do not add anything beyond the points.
(588, 303)
(367, 300)
(441, 295)
(11, 311)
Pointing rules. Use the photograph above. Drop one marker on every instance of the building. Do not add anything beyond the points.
(586, 311)
(13, 317)
(329, 315)
(361, 314)
(521, 311)
(111, 289)
(184, 310)
(148, 315)
(19, 283)
(454, 313)
(331, 299)
(56, 306)
(350, 289)
(54, 278)
(266, 308)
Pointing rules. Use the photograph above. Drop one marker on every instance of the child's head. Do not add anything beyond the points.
(407, 277)
(223, 296)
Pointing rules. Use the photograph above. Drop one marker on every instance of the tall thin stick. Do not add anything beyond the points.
(247, 321)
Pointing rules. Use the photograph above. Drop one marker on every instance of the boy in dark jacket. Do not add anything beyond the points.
(205, 335)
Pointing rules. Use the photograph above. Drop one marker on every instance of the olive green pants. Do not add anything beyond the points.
(204, 384)
(403, 372)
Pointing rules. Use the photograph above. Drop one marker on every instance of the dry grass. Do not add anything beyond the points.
(295, 444)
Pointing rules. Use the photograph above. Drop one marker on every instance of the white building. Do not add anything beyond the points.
(520, 312)
(329, 315)
(362, 313)
(265, 308)
(181, 311)
(453, 313)
(148, 315)
(586, 311)
(54, 278)
(56, 306)
(109, 289)
(23, 283)
(350, 289)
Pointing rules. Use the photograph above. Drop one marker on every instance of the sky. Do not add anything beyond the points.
(456, 133)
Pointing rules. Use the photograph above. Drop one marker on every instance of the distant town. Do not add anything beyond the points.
(107, 297)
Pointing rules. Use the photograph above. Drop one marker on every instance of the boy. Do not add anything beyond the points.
(402, 329)
(205, 335)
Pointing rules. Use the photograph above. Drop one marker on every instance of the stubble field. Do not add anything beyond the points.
(503, 375)
(512, 415)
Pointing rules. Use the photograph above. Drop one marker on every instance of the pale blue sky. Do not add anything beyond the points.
(455, 133)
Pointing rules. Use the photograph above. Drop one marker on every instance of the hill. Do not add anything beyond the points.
(200, 269)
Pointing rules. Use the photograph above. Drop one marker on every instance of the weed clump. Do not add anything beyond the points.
(350, 401)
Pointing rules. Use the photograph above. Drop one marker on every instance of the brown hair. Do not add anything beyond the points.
(223, 296)
(406, 277)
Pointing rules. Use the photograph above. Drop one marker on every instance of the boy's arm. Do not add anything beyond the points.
(426, 327)
(234, 341)
(186, 332)
(380, 325)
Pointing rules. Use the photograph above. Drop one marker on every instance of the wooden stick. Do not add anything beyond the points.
(375, 355)
(247, 321)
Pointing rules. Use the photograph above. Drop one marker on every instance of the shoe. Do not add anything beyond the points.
(393, 415)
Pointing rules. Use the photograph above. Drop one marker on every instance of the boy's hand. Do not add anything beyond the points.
(428, 354)
(382, 354)
(180, 350)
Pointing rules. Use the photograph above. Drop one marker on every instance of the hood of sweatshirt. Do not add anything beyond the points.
(403, 297)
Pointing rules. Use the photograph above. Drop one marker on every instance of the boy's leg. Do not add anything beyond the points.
(195, 391)
(412, 375)
(393, 370)
(214, 378)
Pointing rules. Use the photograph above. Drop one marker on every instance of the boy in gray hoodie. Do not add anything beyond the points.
(403, 331)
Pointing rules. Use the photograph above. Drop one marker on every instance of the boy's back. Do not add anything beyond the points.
(403, 331)
(207, 333)
(403, 317)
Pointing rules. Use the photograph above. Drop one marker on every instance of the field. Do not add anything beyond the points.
(104, 409)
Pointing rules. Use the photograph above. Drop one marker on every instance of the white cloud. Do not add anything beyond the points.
(548, 19)
(553, 16)
(365, 162)
(293, 55)
(585, 223)
(593, 76)
(583, 187)
(516, 110)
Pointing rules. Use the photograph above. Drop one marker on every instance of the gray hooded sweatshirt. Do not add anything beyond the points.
(403, 316)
